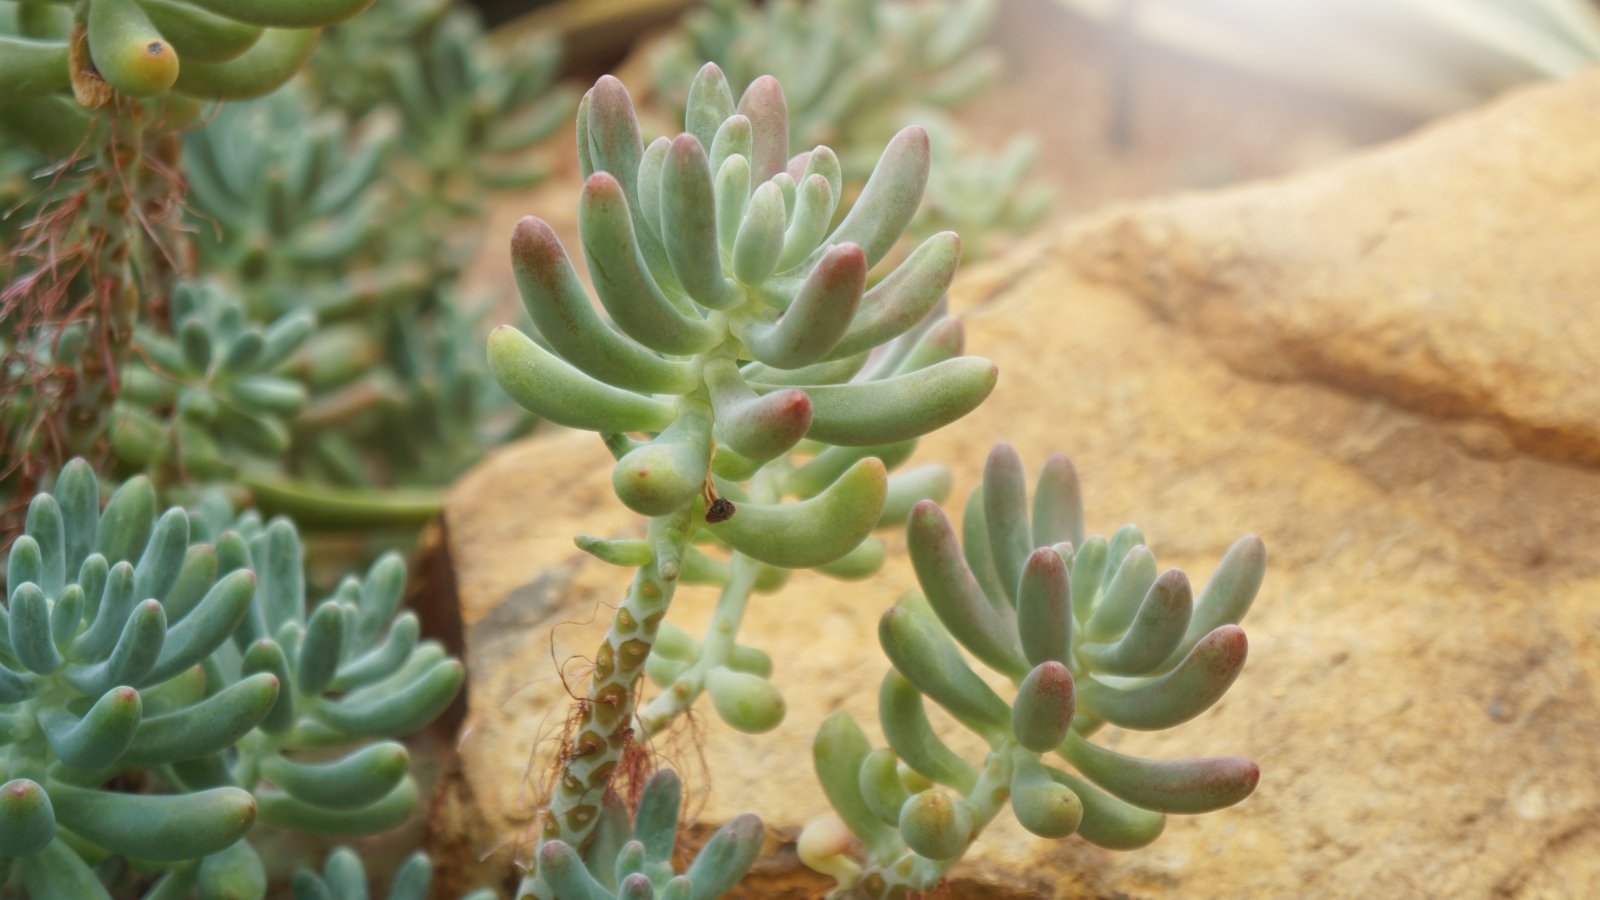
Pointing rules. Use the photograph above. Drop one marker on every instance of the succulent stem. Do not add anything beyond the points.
(101, 254)
(116, 290)
(605, 723)
(912, 872)
(660, 712)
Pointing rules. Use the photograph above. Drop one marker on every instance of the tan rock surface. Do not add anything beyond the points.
(1386, 369)
(1454, 273)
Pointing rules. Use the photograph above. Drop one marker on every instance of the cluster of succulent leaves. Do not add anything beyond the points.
(210, 49)
(294, 207)
(203, 393)
(458, 96)
(1087, 632)
(855, 71)
(258, 708)
(357, 199)
(58, 62)
(344, 877)
(734, 675)
(96, 93)
(176, 652)
(287, 202)
(320, 200)
(742, 360)
(469, 116)
(630, 856)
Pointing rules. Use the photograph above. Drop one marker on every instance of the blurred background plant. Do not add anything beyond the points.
(857, 71)
(348, 203)
(360, 200)
(92, 101)
(344, 877)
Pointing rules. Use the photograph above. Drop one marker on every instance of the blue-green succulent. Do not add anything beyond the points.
(142, 49)
(176, 651)
(1087, 631)
(856, 71)
(752, 382)
(297, 207)
(368, 223)
(343, 877)
(291, 204)
(96, 93)
(208, 393)
(629, 857)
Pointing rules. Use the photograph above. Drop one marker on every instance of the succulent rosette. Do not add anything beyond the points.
(178, 649)
(1087, 631)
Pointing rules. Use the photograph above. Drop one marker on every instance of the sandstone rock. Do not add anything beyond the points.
(1386, 369)
(1453, 274)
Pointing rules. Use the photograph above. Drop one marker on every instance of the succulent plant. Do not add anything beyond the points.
(630, 857)
(297, 208)
(97, 92)
(734, 675)
(856, 71)
(291, 205)
(179, 648)
(204, 396)
(469, 117)
(1087, 631)
(988, 198)
(349, 70)
(461, 97)
(852, 69)
(229, 49)
(458, 97)
(343, 877)
(370, 226)
(741, 343)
